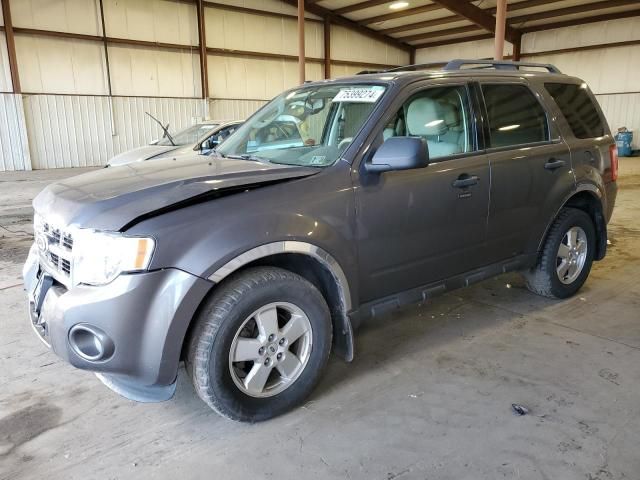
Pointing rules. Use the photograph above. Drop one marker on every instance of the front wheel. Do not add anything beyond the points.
(565, 261)
(260, 344)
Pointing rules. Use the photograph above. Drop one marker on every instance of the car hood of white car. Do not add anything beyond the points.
(141, 154)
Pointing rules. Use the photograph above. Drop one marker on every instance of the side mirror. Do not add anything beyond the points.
(399, 153)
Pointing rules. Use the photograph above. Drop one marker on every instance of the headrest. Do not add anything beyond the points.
(424, 118)
(451, 116)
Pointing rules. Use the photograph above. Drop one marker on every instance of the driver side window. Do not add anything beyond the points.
(441, 116)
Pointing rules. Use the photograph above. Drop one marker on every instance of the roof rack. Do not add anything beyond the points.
(500, 65)
(481, 64)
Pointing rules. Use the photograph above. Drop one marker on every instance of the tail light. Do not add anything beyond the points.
(613, 155)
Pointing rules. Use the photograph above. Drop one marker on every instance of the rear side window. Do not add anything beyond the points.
(515, 115)
(578, 108)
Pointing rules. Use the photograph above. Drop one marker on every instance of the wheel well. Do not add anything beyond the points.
(316, 273)
(590, 204)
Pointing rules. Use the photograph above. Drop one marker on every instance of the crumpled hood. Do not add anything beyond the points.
(111, 198)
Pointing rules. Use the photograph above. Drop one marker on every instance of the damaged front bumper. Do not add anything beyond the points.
(129, 332)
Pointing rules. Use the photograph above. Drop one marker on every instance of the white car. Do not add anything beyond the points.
(202, 137)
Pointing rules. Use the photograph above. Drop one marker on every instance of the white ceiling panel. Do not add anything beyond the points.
(422, 17)
(460, 36)
(401, 35)
(384, 10)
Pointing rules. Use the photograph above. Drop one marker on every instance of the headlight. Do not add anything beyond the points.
(100, 257)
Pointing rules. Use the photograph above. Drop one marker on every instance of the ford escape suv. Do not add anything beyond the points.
(252, 264)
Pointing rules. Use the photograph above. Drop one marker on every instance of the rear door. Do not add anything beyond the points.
(530, 166)
(587, 134)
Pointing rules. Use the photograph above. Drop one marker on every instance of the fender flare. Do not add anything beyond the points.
(344, 340)
(600, 223)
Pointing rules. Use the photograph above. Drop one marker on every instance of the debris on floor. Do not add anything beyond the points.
(519, 410)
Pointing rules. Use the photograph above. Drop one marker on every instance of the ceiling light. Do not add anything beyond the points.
(508, 127)
(398, 5)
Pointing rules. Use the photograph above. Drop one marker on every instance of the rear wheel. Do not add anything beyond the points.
(566, 257)
(260, 344)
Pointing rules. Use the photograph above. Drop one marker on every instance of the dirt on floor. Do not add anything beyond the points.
(429, 395)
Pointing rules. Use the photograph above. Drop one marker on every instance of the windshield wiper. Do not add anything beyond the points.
(164, 129)
(244, 156)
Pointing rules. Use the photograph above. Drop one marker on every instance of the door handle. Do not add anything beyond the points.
(552, 164)
(465, 180)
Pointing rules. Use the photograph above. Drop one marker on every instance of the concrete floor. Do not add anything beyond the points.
(428, 396)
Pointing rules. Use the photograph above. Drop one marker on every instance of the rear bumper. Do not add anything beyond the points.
(130, 331)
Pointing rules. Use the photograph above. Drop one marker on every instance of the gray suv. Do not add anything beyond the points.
(252, 264)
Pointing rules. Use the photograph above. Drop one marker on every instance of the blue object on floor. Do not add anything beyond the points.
(623, 142)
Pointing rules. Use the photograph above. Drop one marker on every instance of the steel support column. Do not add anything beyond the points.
(11, 46)
(202, 39)
(501, 24)
(301, 60)
(327, 47)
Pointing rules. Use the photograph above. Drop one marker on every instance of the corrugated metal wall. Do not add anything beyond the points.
(227, 109)
(623, 110)
(14, 150)
(77, 131)
(352, 46)
(477, 49)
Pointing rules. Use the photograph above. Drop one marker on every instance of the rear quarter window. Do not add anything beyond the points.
(578, 108)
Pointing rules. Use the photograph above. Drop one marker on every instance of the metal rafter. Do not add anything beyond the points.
(401, 13)
(530, 17)
(535, 28)
(478, 17)
(560, 12)
(345, 22)
(582, 21)
(456, 18)
(360, 6)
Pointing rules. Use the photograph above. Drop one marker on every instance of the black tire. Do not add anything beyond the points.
(543, 279)
(220, 319)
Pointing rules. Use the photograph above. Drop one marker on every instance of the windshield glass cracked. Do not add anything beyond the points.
(309, 126)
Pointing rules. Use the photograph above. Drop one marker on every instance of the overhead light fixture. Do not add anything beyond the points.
(398, 5)
(509, 127)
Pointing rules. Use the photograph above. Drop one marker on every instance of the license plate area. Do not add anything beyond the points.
(37, 296)
(44, 283)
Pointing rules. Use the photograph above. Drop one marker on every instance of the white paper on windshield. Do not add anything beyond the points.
(359, 94)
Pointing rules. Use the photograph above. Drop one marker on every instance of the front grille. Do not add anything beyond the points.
(54, 248)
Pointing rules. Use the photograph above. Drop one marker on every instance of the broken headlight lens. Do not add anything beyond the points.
(99, 257)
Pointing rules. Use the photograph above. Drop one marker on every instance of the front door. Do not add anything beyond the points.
(422, 225)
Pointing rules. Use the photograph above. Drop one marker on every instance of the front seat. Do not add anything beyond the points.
(455, 133)
(425, 119)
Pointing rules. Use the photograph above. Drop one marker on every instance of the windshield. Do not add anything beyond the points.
(188, 136)
(310, 126)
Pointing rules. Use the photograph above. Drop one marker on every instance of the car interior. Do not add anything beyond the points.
(436, 115)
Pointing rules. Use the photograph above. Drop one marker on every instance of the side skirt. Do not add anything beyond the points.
(425, 293)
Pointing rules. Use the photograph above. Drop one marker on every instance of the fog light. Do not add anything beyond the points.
(90, 343)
